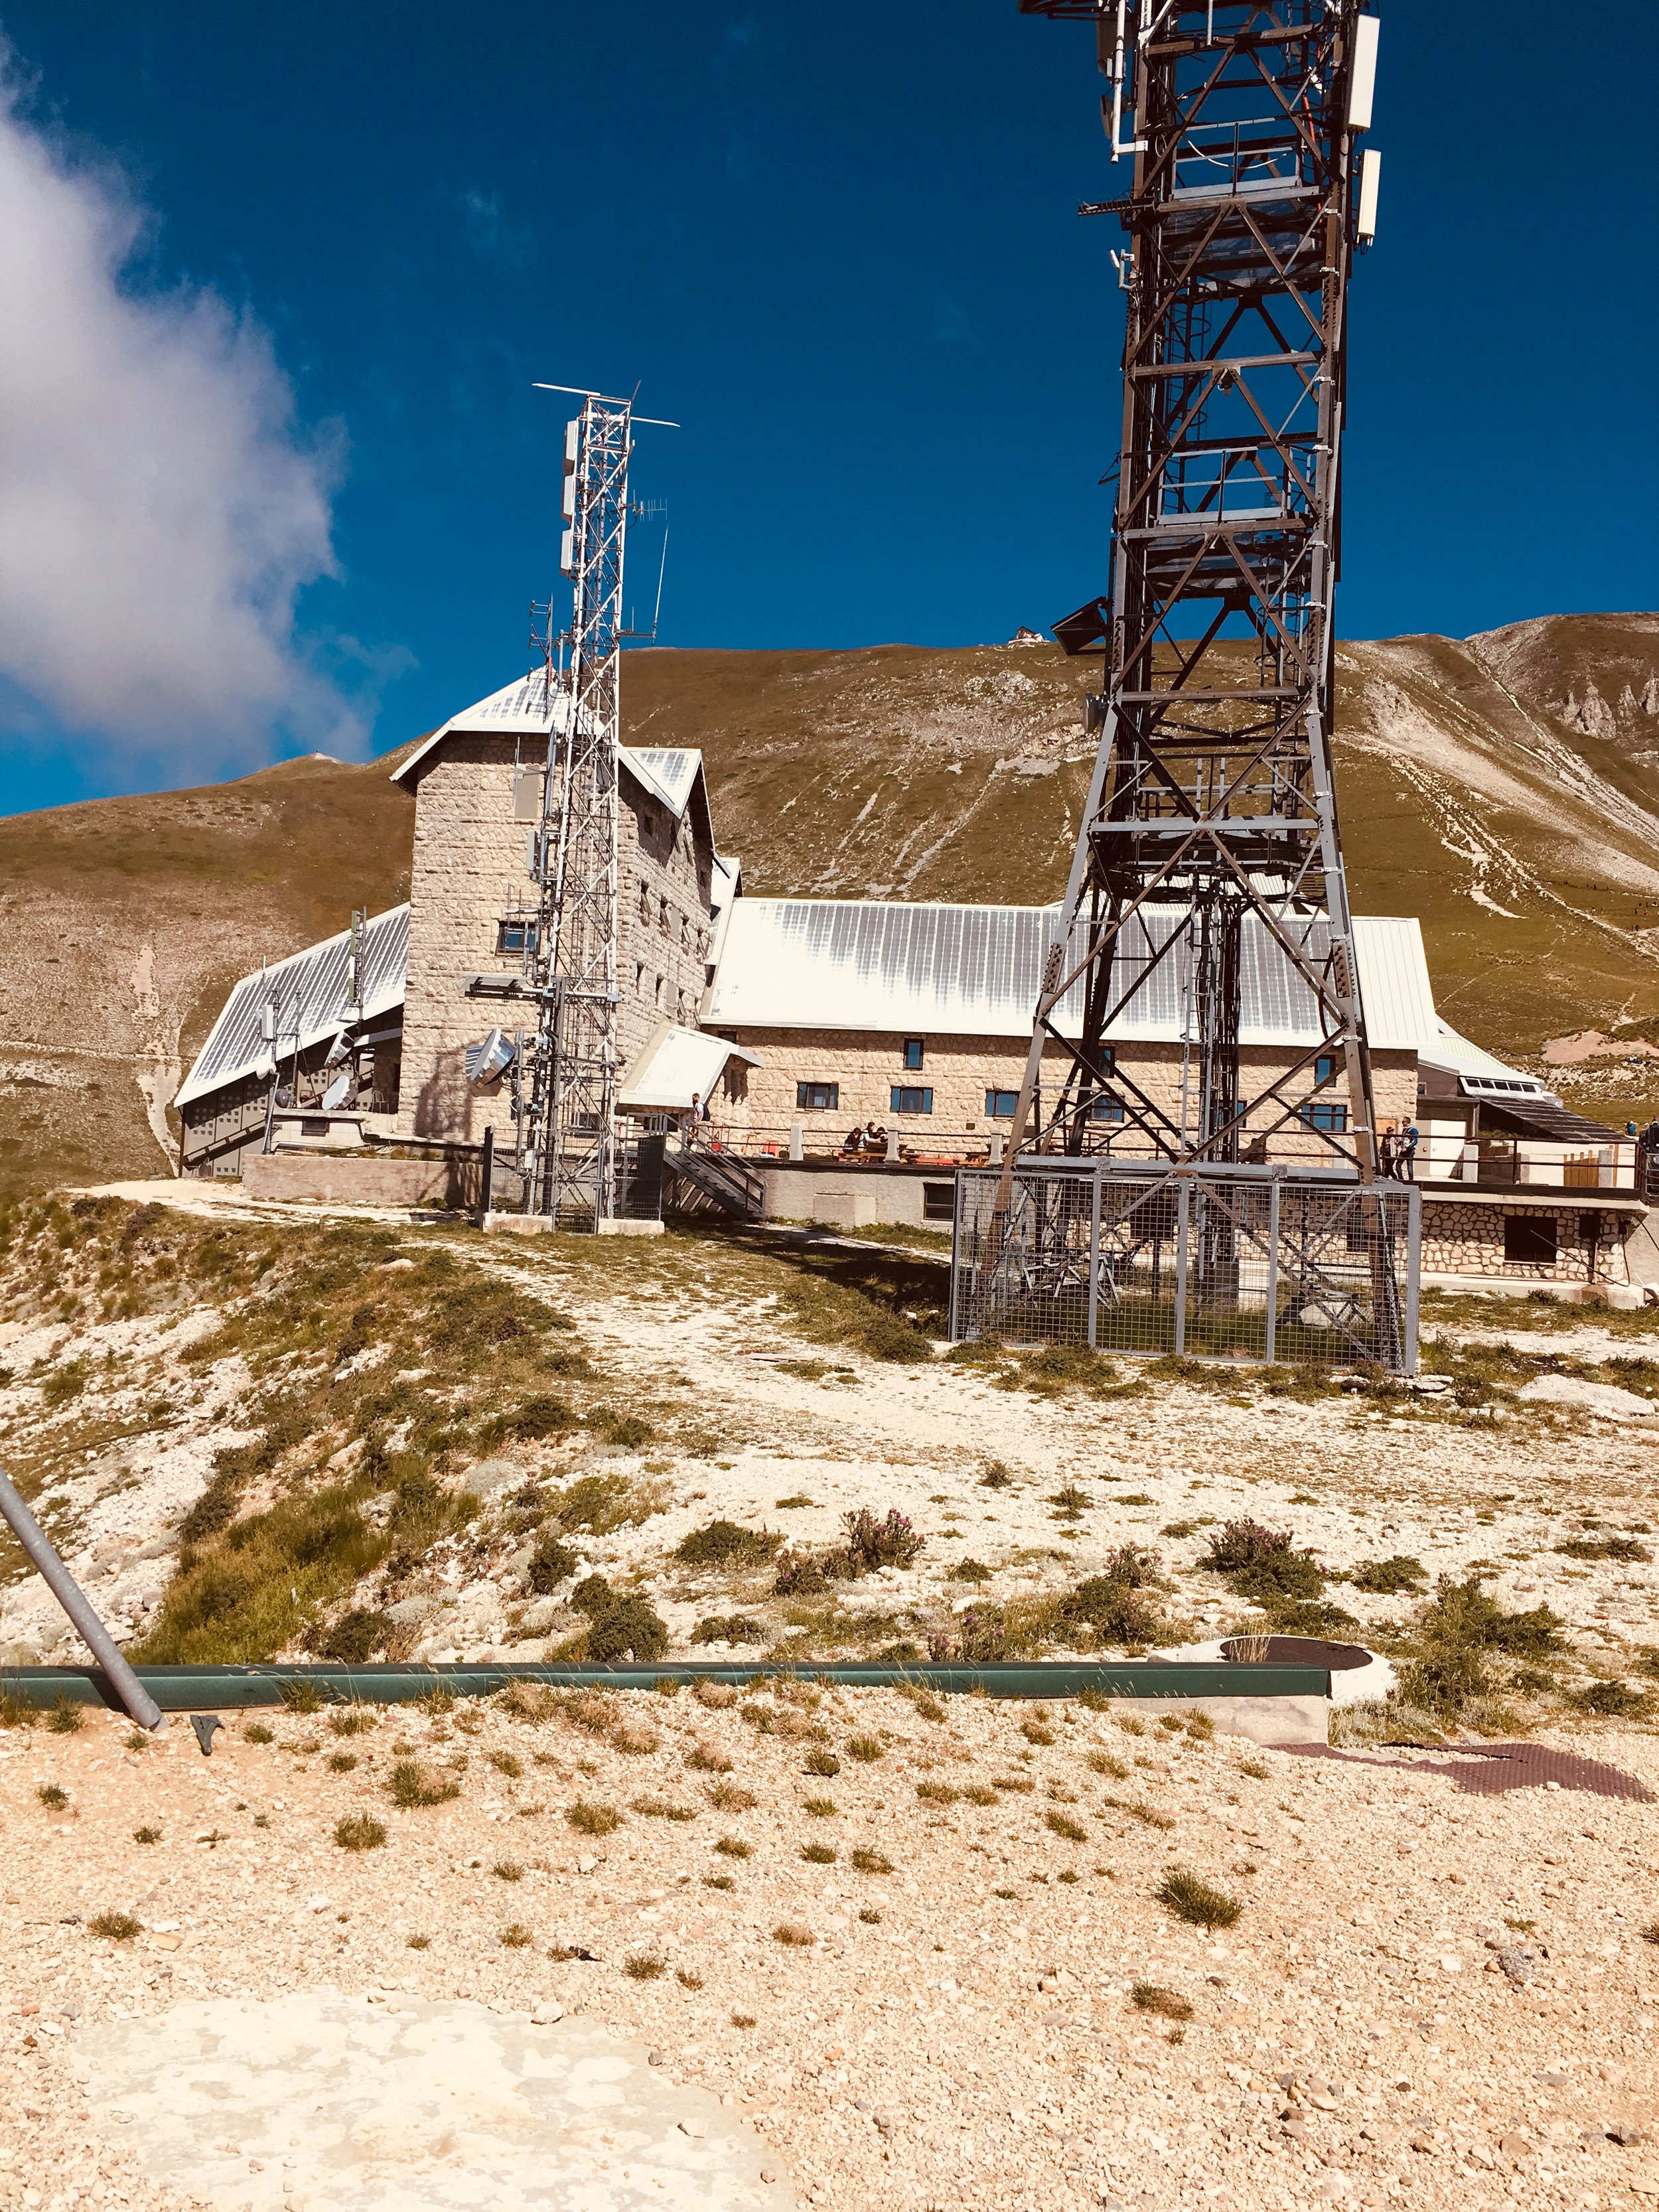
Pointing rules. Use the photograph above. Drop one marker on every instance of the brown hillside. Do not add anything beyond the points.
(123, 921)
(1528, 840)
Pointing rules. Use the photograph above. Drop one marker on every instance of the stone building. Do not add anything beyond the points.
(478, 786)
(920, 1016)
(798, 1019)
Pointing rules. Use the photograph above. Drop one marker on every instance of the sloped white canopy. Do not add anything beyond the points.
(675, 1063)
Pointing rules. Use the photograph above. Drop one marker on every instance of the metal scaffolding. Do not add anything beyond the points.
(568, 1085)
(1212, 797)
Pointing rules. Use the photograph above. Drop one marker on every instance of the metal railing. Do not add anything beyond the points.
(1204, 1261)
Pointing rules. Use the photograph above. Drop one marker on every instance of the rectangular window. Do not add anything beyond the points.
(1106, 1109)
(911, 1098)
(1328, 1115)
(1000, 1104)
(913, 1055)
(1530, 1237)
(515, 937)
(1325, 1068)
(817, 1098)
(938, 1201)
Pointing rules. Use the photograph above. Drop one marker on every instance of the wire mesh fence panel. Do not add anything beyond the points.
(1212, 1263)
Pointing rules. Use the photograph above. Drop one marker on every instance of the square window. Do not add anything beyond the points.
(910, 1099)
(1326, 1116)
(1106, 1109)
(1530, 1238)
(517, 936)
(1000, 1104)
(817, 1098)
(938, 1201)
(913, 1052)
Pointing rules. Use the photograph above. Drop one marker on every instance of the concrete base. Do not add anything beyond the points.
(1621, 1298)
(630, 1228)
(1267, 1721)
(867, 1208)
(516, 1224)
(318, 2099)
(359, 1179)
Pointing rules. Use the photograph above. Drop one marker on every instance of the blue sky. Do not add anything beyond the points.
(838, 246)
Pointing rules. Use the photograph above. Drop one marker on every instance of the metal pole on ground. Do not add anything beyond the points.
(68, 1592)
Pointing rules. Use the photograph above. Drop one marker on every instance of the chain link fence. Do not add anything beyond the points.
(1205, 1262)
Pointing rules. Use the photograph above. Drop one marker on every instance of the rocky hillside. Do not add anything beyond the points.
(1505, 787)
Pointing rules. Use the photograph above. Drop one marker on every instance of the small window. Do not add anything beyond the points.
(1000, 1104)
(817, 1098)
(1107, 1058)
(938, 1201)
(1106, 1109)
(515, 936)
(911, 1098)
(1325, 1069)
(1328, 1116)
(1530, 1238)
(913, 1055)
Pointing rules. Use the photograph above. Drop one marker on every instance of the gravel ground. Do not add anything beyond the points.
(965, 2046)
(961, 2029)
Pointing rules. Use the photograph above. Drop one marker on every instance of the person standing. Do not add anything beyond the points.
(1388, 1150)
(1408, 1153)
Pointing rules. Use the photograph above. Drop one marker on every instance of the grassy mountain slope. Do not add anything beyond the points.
(123, 921)
(1478, 790)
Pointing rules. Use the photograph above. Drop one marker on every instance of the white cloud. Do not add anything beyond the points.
(160, 508)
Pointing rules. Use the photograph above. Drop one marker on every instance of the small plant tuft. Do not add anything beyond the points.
(865, 1749)
(733, 1847)
(257, 1732)
(115, 1927)
(590, 1819)
(823, 1762)
(411, 1786)
(52, 1795)
(793, 1936)
(818, 1854)
(508, 1871)
(1062, 1824)
(65, 1716)
(687, 1979)
(1151, 1996)
(1196, 1901)
(871, 1862)
(359, 1833)
(516, 1936)
(147, 1835)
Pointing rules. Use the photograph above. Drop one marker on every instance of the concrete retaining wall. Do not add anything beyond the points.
(344, 1179)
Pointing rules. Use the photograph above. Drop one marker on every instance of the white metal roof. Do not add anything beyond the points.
(974, 971)
(675, 1063)
(531, 707)
(1478, 1072)
(310, 988)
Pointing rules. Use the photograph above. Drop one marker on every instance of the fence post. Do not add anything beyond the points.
(1094, 1262)
(1270, 1343)
(1413, 1272)
(1182, 1193)
(487, 1177)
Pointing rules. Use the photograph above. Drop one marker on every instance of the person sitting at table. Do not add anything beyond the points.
(875, 1138)
(852, 1143)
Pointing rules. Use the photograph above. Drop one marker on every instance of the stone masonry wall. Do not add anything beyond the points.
(960, 1070)
(469, 866)
(1464, 1239)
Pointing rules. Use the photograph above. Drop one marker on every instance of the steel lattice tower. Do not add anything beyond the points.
(1211, 823)
(569, 1127)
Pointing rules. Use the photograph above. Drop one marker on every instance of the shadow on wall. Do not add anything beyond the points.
(443, 1105)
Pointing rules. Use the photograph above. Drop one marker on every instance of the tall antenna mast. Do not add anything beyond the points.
(1209, 840)
(568, 1112)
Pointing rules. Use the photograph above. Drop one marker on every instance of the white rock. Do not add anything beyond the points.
(1605, 1398)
